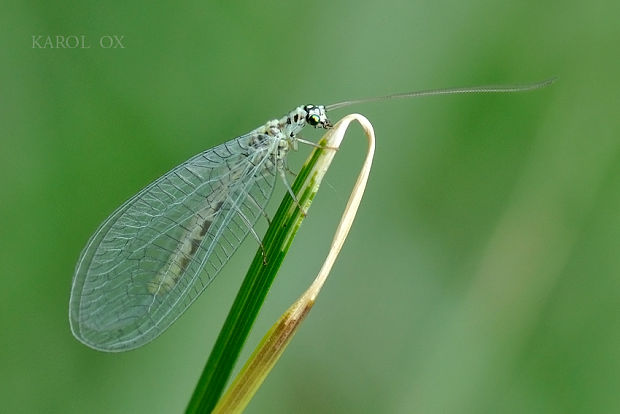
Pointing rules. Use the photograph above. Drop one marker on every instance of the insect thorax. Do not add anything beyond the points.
(279, 136)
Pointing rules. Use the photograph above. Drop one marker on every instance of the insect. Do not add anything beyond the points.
(153, 256)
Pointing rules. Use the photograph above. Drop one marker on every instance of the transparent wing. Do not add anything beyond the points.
(156, 253)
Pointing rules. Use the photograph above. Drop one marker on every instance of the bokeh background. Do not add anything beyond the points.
(482, 273)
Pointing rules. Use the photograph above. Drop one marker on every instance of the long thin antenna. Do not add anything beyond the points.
(449, 91)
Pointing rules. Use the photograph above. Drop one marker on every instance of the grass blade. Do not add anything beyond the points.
(273, 344)
(253, 290)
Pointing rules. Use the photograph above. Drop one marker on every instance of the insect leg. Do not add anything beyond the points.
(260, 243)
(255, 203)
(290, 190)
(313, 144)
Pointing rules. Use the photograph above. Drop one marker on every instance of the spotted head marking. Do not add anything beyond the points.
(314, 115)
(317, 116)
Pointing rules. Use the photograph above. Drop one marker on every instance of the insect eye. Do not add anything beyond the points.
(314, 120)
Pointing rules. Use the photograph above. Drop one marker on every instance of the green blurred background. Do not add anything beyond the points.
(481, 275)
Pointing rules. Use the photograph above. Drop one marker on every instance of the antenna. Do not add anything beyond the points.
(449, 91)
